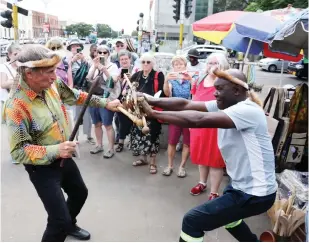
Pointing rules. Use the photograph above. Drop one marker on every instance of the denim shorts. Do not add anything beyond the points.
(101, 115)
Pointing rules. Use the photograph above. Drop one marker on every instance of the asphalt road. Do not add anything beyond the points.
(124, 203)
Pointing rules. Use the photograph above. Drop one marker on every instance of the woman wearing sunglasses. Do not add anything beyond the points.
(102, 64)
(149, 82)
(63, 70)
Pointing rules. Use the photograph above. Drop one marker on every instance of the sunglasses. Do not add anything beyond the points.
(56, 48)
(102, 52)
(120, 46)
(148, 62)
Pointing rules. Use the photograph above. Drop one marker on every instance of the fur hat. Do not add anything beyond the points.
(37, 56)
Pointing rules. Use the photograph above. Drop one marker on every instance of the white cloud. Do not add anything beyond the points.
(117, 13)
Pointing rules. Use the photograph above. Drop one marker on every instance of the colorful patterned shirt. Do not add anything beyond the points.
(37, 124)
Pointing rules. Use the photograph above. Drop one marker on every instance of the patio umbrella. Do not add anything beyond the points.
(251, 30)
(216, 27)
(292, 36)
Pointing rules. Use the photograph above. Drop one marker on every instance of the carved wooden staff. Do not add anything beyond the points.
(132, 101)
(81, 115)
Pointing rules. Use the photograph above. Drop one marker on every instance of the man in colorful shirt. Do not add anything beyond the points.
(39, 131)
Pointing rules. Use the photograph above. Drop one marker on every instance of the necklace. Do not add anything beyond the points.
(145, 77)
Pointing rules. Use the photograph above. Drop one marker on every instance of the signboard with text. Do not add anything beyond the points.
(46, 28)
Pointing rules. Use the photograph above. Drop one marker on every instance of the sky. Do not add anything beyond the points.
(119, 14)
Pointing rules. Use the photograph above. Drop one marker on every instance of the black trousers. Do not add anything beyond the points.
(125, 125)
(48, 181)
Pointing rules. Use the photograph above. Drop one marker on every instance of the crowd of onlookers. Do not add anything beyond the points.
(189, 79)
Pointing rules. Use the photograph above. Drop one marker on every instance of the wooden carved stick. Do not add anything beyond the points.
(81, 114)
(145, 129)
(136, 120)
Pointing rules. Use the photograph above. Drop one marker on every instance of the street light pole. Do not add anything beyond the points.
(140, 33)
(210, 7)
(182, 18)
(15, 21)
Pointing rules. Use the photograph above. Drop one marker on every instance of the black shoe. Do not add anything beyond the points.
(80, 233)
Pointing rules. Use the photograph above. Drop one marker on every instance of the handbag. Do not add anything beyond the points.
(269, 108)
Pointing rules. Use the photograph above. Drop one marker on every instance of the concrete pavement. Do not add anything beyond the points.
(124, 203)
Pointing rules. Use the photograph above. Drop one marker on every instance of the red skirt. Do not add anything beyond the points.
(204, 147)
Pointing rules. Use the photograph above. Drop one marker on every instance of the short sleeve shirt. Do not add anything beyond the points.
(247, 149)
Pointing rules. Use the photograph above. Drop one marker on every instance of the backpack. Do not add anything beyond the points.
(79, 79)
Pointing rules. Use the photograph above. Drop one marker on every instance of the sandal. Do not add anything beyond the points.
(181, 172)
(140, 162)
(167, 171)
(153, 169)
(119, 147)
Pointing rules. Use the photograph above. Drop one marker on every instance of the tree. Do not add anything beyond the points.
(275, 4)
(114, 34)
(82, 29)
(104, 31)
(134, 33)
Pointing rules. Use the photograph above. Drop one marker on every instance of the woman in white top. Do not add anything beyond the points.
(8, 72)
(103, 116)
(7, 76)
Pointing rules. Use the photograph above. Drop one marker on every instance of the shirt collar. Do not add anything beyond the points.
(28, 91)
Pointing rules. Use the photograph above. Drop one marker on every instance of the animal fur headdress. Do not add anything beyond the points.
(226, 76)
(37, 56)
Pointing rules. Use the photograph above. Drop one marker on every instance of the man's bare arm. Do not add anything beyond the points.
(195, 119)
(177, 104)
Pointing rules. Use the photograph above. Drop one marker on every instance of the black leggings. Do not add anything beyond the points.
(125, 125)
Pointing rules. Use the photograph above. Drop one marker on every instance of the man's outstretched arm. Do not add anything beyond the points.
(177, 104)
(194, 119)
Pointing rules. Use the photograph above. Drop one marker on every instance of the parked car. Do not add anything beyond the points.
(299, 69)
(83, 40)
(204, 50)
(273, 64)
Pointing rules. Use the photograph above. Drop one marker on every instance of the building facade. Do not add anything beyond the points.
(38, 20)
(201, 7)
(165, 26)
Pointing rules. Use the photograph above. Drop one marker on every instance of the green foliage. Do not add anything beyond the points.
(82, 29)
(104, 31)
(276, 4)
(134, 33)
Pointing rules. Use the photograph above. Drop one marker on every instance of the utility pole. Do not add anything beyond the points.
(181, 27)
(15, 21)
(140, 32)
(210, 7)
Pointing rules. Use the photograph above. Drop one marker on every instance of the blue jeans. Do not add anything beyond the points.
(227, 210)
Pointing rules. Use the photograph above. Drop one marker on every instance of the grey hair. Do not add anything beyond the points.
(105, 47)
(148, 57)
(124, 53)
(221, 58)
(13, 47)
